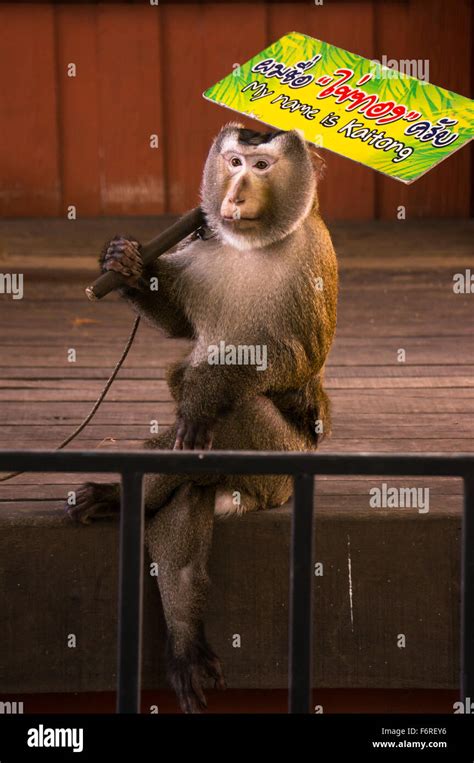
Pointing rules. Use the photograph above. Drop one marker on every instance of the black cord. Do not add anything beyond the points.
(99, 400)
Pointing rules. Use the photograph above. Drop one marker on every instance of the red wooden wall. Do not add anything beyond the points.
(141, 69)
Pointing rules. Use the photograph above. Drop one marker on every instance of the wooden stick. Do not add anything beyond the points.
(149, 252)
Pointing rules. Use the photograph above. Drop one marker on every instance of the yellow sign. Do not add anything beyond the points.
(395, 123)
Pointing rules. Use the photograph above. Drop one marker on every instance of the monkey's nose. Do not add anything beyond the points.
(231, 205)
(237, 199)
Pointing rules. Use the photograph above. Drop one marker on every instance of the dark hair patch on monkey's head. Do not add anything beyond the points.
(254, 138)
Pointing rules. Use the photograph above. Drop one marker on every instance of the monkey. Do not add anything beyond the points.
(251, 277)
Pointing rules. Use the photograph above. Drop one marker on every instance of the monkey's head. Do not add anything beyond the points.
(257, 186)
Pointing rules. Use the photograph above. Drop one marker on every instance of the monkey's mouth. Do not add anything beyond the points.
(240, 219)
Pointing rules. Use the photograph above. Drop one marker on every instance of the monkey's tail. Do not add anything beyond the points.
(97, 403)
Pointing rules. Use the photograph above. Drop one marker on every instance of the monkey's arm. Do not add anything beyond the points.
(161, 306)
(152, 289)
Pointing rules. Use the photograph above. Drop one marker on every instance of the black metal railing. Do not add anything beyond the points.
(303, 467)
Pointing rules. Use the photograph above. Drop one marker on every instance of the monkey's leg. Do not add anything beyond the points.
(256, 424)
(179, 540)
(95, 500)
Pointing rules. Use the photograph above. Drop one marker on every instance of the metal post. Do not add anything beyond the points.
(301, 577)
(467, 592)
(130, 593)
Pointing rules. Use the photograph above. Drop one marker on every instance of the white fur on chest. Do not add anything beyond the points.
(231, 294)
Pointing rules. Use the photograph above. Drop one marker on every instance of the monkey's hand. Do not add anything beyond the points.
(123, 255)
(193, 434)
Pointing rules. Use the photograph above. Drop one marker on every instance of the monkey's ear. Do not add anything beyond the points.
(227, 129)
(232, 126)
(319, 165)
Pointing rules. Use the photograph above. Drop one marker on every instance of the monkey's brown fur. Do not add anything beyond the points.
(251, 282)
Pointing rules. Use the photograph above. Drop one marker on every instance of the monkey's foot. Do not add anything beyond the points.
(94, 501)
(193, 435)
(187, 675)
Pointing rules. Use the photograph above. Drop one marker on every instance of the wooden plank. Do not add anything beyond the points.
(461, 394)
(343, 487)
(350, 352)
(396, 335)
(138, 372)
(404, 302)
(382, 353)
(86, 443)
(386, 289)
(112, 414)
(142, 388)
(101, 373)
(23, 486)
(343, 404)
(129, 62)
(449, 382)
(384, 427)
(400, 445)
(347, 190)
(51, 413)
(79, 109)
(383, 372)
(329, 507)
(395, 332)
(415, 31)
(423, 247)
(371, 444)
(90, 335)
(388, 313)
(158, 392)
(207, 40)
(29, 181)
(399, 403)
(343, 427)
(26, 432)
(355, 444)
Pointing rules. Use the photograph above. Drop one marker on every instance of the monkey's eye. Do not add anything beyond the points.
(261, 165)
(235, 161)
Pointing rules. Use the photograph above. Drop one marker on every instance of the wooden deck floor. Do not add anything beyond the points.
(396, 294)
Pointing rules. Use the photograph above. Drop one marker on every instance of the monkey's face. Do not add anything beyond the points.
(257, 187)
